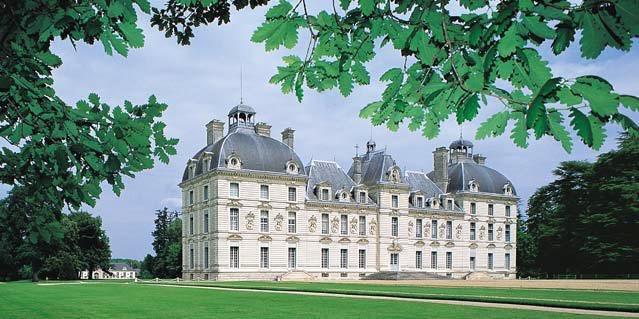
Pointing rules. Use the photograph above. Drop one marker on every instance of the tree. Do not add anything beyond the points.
(93, 242)
(65, 260)
(455, 54)
(167, 244)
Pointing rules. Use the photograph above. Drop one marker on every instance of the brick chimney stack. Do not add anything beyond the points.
(214, 131)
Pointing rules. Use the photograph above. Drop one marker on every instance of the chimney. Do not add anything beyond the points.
(357, 170)
(287, 136)
(214, 131)
(440, 163)
(479, 159)
(263, 129)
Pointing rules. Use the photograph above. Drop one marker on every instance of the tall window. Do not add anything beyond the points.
(449, 204)
(235, 219)
(507, 235)
(490, 232)
(324, 223)
(292, 222)
(449, 229)
(473, 208)
(191, 200)
(449, 260)
(394, 226)
(362, 197)
(206, 192)
(292, 257)
(191, 224)
(433, 228)
(325, 258)
(395, 201)
(507, 210)
(234, 257)
(420, 201)
(263, 257)
(191, 257)
(362, 258)
(472, 263)
(433, 259)
(292, 194)
(343, 224)
(490, 261)
(343, 258)
(362, 225)
(234, 190)
(206, 221)
(507, 261)
(418, 259)
(264, 192)
(473, 231)
(325, 195)
(491, 209)
(206, 256)
(264, 221)
(418, 228)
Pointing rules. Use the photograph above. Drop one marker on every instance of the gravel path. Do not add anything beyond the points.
(448, 302)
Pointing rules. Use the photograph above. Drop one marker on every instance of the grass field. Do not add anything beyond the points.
(568, 298)
(118, 300)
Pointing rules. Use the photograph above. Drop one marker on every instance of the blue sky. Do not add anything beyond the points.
(201, 82)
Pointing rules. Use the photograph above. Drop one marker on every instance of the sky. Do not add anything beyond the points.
(201, 82)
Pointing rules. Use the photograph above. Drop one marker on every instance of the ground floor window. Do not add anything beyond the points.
(490, 261)
(206, 257)
(343, 258)
(433, 259)
(191, 258)
(472, 263)
(362, 258)
(325, 258)
(394, 262)
(263, 257)
(507, 261)
(234, 257)
(418, 259)
(449, 260)
(292, 257)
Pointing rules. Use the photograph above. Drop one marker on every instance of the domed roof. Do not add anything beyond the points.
(487, 179)
(255, 152)
(241, 108)
(460, 143)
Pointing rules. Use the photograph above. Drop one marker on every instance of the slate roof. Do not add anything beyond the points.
(419, 182)
(375, 166)
(328, 172)
(489, 180)
(242, 108)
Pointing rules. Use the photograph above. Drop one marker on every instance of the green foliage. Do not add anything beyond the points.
(167, 244)
(588, 215)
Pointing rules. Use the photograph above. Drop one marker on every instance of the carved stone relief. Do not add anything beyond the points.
(312, 224)
(279, 219)
(353, 225)
(410, 228)
(458, 232)
(482, 232)
(334, 225)
(250, 219)
(373, 227)
(499, 232)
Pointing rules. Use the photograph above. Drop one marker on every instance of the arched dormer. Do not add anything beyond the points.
(343, 195)
(394, 174)
(508, 189)
(473, 186)
(233, 161)
(292, 168)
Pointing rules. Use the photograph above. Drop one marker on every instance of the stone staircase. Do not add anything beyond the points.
(403, 275)
(296, 275)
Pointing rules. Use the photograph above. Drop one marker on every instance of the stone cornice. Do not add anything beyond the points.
(490, 197)
(247, 175)
(337, 205)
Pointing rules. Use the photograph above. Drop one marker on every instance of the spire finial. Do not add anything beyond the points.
(241, 87)
(356, 150)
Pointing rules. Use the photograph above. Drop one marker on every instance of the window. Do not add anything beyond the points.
(343, 224)
(206, 222)
(362, 197)
(291, 222)
(433, 259)
(449, 260)
(206, 257)
(418, 259)
(191, 224)
(490, 261)
(235, 219)
(206, 192)
(420, 202)
(292, 257)
(449, 204)
(449, 229)
(263, 257)
(491, 209)
(205, 167)
(507, 261)
(191, 198)
(234, 257)
(325, 194)
(362, 225)
(264, 192)
(325, 258)
(264, 221)
(507, 235)
(191, 258)
(292, 194)
(235, 190)
(418, 228)
(472, 263)
(473, 208)
(394, 226)
(395, 201)
(473, 231)
(343, 258)
(490, 232)
(433, 227)
(507, 210)
(325, 224)
(362, 258)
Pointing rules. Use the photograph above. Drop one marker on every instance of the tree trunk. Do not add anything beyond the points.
(35, 269)
(90, 273)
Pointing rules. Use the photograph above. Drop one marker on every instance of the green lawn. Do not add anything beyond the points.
(584, 299)
(118, 300)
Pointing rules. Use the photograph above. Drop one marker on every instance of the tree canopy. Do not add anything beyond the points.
(167, 244)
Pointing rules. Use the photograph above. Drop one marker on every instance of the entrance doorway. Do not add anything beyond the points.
(394, 262)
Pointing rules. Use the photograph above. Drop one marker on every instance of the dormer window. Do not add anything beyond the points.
(291, 168)
(449, 204)
(362, 197)
(205, 165)
(343, 196)
(325, 194)
(394, 175)
(473, 186)
(434, 203)
(234, 162)
(508, 190)
(419, 202)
